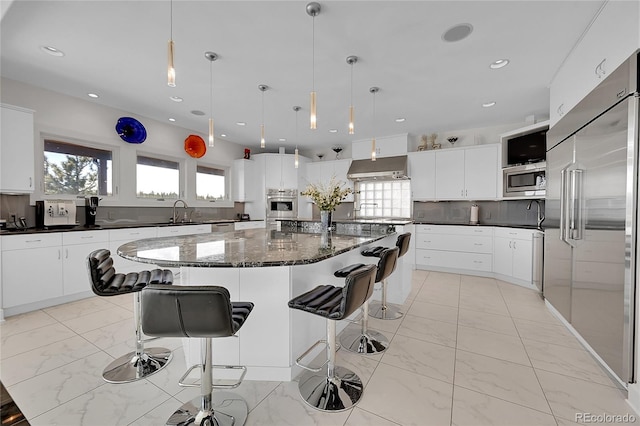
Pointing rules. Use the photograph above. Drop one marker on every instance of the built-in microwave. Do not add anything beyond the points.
(526, 181)
(282, 203)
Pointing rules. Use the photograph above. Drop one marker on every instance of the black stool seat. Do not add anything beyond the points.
(338, 388)
(402, 243)
(105, 281)
(343, 272)
(204, 312)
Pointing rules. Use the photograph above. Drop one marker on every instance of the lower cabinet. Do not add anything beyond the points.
(118, 237)
(76, 246)
(513, 253)
(252, 224)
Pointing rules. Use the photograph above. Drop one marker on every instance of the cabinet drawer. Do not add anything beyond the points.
(18, 242)
(84, 237)
(168, 231)
(455, 230)
(513, 233)
(131, 234)
(453, 260)
(461, 243)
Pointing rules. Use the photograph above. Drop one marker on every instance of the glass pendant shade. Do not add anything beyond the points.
(171, 71)
(211, 140)
(296, 159)
(262, 142)
(351, 125)
(312, 115)
(373, 149)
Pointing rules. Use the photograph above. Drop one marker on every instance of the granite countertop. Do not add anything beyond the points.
(242, 249)
(382, 221)
(499, 225)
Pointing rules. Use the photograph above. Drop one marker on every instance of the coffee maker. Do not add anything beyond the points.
(90, 211)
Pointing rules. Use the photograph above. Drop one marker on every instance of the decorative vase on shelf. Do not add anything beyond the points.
(325, 220)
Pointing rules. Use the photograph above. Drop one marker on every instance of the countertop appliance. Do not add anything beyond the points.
(90, 211)
(281, 204)
(525, 181)
(591, 218)
(55, 213)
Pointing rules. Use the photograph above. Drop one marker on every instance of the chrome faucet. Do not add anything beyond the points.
(360, 208)
(540, 216)
(174, 217)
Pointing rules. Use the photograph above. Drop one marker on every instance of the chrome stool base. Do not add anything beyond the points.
(227, 409)
(337, 393)
(131, 367)
(369, 343)
(388, 312)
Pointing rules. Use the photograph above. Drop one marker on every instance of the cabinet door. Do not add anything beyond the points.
(17, 150)
(339, 169)
(22, 284)
(74, 267)
(522, 259)
(481, 172)
(254, 176)
(239, 179)
(450, 174)
(422, 170)
(273, 171)
(289, 173)
(503, 256)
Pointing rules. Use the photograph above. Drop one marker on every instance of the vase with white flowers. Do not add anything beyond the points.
(327, 197)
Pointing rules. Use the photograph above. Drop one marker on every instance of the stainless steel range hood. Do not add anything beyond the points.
(382, 169)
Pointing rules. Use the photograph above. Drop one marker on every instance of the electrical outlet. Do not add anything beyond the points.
(13, 217)
(110, 216)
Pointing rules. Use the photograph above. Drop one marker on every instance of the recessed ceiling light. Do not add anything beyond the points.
(333, 130)
(282, 140)
(400, 120)
(92, 95)
(241, 123)
(52, 51)
(176, 98)
(222, 135)
(197, 112)
(457, 32)
(499, 64)
(488, 104)
(172, 120)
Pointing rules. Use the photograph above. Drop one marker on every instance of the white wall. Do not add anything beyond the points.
(73, 118)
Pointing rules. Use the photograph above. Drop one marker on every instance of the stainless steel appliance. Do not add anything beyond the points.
(55, 213)
(90, 211)
(525, 181)
(282, 204)
(591, 225)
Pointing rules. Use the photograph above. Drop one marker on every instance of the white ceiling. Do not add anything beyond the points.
(118, 49)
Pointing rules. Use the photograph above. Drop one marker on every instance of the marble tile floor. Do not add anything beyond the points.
(469, 351)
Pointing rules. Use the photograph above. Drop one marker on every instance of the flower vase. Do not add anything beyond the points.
(325, 220)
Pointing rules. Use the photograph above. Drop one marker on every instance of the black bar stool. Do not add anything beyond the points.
(205, 312)
(106, 282)
(384, 310)
(338, 388)
(365, 341)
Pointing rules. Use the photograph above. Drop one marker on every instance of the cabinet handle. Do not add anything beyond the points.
(90, 237)
(66, 253)
(59, 254)
(560, 110)
(514, 245)
(33, 241)
(462, 192)
(466, 192)
(478, 261)
(134, 233)
(600, 71)
(478, 244)
(30, 182)
(513, 233)
(478, 230)
(510, 244)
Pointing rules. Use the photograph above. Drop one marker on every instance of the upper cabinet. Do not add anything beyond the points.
(612, 38)
(386, 146)
(240, 172)
(321, 172)
(280, 171)
(16, 150)
(467, 173)
(422, 169)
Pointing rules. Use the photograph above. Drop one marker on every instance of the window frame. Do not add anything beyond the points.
(144, 201)
(228, 199)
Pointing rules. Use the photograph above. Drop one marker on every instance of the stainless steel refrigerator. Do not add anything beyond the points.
(591, 218)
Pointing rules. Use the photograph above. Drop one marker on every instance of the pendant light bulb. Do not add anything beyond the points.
(373, 91)
(373, 149)
(313, 10)
(171, 71)
(263, 88)
(211, 56)
(296, 157)
(312, 115)
(351, 60)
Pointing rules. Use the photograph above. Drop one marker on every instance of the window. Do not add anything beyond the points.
(384, 199)
(72, 169)
(210, 183)
(156, 178)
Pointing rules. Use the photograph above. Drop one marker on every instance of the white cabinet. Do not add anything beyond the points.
(451, 247)
(467, 173)
(76, 246)
(386, 146)
(17, 163)
(321, 172)
(31, 268)
(242, 175)
(174, 231)
(252, 224)
(513, 253)
(280, 171)
(422, 170)
(118, 237)
(611, 39)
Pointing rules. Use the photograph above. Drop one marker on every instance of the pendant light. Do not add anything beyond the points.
(374, 90)
(313, 10)
(263, 88)
(296, 158)
(211, 56)
(351, 60)
(171, 71)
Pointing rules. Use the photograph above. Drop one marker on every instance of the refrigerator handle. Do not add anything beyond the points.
(563, 205)
(576, 205)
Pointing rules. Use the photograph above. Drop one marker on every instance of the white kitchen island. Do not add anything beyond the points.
(267, 267)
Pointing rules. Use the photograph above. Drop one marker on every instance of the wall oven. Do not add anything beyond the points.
(525, 181)
(282, 204)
